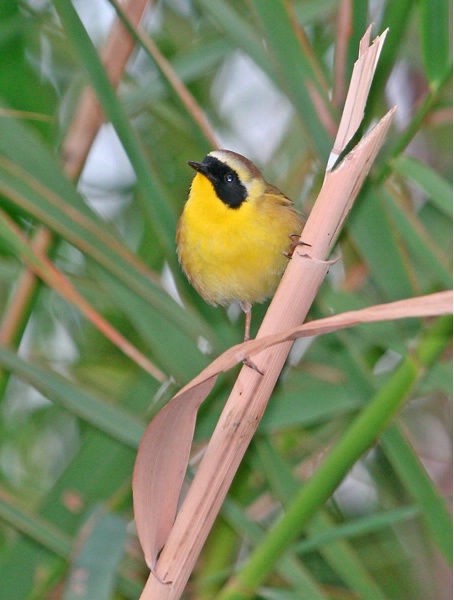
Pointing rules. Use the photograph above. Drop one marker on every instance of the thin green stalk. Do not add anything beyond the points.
(360, 436)
(358, 527)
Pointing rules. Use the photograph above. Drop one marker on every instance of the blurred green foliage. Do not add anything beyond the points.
(73, 407)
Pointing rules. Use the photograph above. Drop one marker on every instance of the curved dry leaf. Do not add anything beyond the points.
(161, 465)
(431, 305)
(163, 454)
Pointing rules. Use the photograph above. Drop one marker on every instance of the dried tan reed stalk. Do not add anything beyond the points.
(163, 454)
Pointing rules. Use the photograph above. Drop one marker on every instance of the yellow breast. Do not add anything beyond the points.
(235, 254)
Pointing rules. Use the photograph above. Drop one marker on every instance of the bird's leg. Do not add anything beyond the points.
(247, 309)
(294, 242)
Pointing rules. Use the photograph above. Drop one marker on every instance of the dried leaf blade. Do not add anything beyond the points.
(161, 465)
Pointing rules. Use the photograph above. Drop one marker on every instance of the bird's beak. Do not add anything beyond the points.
(198, 166)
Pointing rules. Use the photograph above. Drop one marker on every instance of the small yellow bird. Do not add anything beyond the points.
(233, 235)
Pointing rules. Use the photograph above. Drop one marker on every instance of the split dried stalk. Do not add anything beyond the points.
(358, 92)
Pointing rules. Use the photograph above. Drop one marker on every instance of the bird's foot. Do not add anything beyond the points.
(294, 243)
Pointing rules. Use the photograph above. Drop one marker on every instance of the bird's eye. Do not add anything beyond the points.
(228, 177)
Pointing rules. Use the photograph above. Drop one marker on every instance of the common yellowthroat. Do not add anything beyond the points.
(233, 234)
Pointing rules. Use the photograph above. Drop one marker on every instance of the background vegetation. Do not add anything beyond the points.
(74, 406)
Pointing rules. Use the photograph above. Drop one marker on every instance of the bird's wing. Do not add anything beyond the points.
(277, 195)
